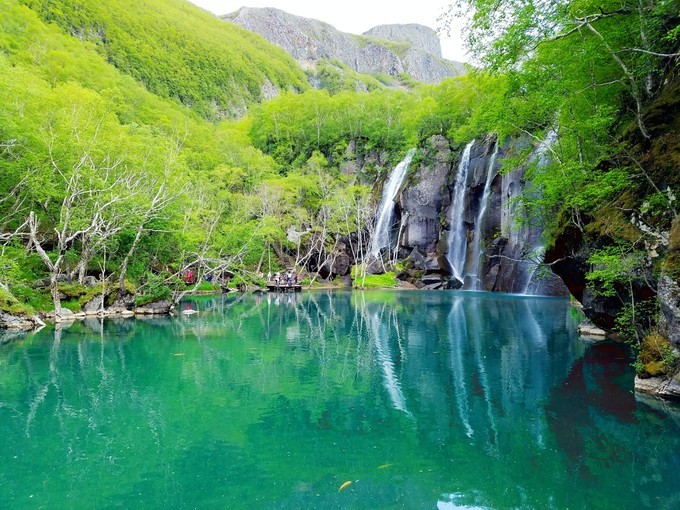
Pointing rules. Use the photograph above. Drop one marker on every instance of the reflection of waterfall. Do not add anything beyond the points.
(476, 253)
(378, 328)
(383, 224)
(539, 352)
(457, 238)
(477, 323)
(458, 337)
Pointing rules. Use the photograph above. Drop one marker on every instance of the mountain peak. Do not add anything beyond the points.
(390, 49)
(420, 37)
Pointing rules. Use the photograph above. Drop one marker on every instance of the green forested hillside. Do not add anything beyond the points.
(178, 50)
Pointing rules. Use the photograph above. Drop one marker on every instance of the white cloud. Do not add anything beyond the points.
(357, 16)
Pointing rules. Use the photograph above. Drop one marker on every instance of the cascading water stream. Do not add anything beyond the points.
(476, 253)
(383, 224)
(457, 239)
(536, 246)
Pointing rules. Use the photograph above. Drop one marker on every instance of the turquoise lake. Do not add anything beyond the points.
(422, 400)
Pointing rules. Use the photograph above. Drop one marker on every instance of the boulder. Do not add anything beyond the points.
(341, 264)
(438, 263)
(90, 281)
(589, 330)
(416, 260)
(15, 322)
(401, 284)
(454, 284)
(375, 266)
(432, 286)
(163, 307)
(432, 278)
(65, 315)
(94, 306)
(122, 303)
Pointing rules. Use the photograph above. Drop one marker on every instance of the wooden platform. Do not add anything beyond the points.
(272, 287)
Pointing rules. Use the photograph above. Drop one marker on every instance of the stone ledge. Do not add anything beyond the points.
(659, 386)
(589, 330)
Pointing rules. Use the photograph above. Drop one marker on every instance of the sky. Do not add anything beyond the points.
(357, 16)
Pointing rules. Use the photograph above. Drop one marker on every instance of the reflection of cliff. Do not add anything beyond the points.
(491, 378)
(593, 383)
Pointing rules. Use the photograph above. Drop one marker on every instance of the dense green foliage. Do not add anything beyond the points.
(603, 76)
(178, 51)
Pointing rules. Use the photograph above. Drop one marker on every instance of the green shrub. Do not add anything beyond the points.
(155, 288)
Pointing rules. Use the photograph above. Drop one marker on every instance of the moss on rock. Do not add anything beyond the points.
(657, 357)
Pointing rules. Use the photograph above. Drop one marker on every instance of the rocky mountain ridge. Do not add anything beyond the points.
(386, 49)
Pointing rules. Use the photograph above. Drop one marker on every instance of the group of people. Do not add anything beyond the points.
(280, 279)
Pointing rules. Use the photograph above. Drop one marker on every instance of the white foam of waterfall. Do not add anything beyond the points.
(476, 252)
(536, 248)
(457, 239)
(535, 258)
(383, 224)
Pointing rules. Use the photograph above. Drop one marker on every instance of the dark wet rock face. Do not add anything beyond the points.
(669, 302)
(501, 253)
(422, 202)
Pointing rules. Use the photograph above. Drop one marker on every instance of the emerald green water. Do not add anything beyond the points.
(420, 399)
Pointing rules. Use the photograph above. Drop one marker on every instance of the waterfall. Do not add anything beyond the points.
(476, 253)
(457, 238)
(535, 255)
(536, 248)
(383, 224)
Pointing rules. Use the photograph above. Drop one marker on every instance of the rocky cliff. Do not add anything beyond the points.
(419, 37)
(389, 49)
(502, 250)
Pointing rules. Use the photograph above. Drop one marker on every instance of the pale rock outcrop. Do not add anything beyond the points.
(309, 40)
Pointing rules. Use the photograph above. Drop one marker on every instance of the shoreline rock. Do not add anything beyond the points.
(663, 387)
(589, 330)
(11, 322)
